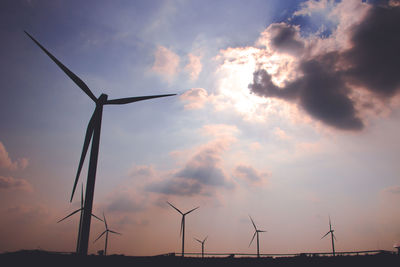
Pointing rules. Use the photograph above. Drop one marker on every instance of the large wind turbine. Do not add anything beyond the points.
(202, 245)
(332, 236)
(80, 220)
(182, 225)
(256, 233)
(106, 232)
(92, 134)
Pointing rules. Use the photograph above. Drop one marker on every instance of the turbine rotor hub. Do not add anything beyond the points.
(102, 99)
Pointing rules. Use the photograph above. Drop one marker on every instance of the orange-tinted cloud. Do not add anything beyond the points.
(196, 98)
(10, 183)
(166, 63)
(8, 164)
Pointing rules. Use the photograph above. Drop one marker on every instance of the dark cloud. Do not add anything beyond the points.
(124, 203)
(175, 186)
(375, 56)
(248, 173)
(200, 176)
(286, 38)
(10, 183)
(204, 168)
(325, 96)
(320, 91)
(373, 62)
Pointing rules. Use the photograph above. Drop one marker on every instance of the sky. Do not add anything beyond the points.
(286, 111)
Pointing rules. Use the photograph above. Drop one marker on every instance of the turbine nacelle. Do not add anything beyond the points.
(102, 99)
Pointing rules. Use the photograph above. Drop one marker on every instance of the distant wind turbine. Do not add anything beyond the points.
(332, 236)
(256, 233)
(92, 133)
(106, 232)
(202, 245)
(80, 220)
(182, 225)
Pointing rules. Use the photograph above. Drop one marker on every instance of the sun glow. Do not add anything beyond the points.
(236, 73)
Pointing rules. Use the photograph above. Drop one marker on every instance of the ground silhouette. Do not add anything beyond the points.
(44, 258)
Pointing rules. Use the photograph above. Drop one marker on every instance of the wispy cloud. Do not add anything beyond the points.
(166, 63)
(393, 190)
(194, 66)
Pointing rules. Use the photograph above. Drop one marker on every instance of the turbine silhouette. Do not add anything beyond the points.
(80, 220)
(92, 134)
(202, 245)
(106, 232)
(332, 236)
(256, 232)
(182, 233)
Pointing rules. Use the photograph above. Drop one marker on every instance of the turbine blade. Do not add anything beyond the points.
(105, 222)
(334, 237)
(100, 236)
(253, 238)
(330, 225)
(326, 234)
(111, 231)
(197, 240)
(70, 74)
(175, 208)
(205, 239)
(182, 222)
(128, 100)
(261, 231)
(191, 211)
(96, 217)
(88, 136)
(82, 197)
(72, 213)
(253, 223)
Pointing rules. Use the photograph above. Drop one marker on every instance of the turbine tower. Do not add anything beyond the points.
(202, 245)
(182, 225)
(332, 236)
(106, 232)
(80, 220)
(256, 232)
(92, 134)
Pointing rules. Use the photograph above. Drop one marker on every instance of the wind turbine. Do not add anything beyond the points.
(256, 233)
(332, 236)
(106, 232)
(80, 220)
(182, 225)
(92, 134)
(202, 245)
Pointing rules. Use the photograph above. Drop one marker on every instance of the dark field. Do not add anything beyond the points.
(42, 258)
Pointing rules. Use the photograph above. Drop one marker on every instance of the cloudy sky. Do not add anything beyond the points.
(287, 111)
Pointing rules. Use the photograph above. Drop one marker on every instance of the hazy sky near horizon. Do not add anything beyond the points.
(287, 111)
